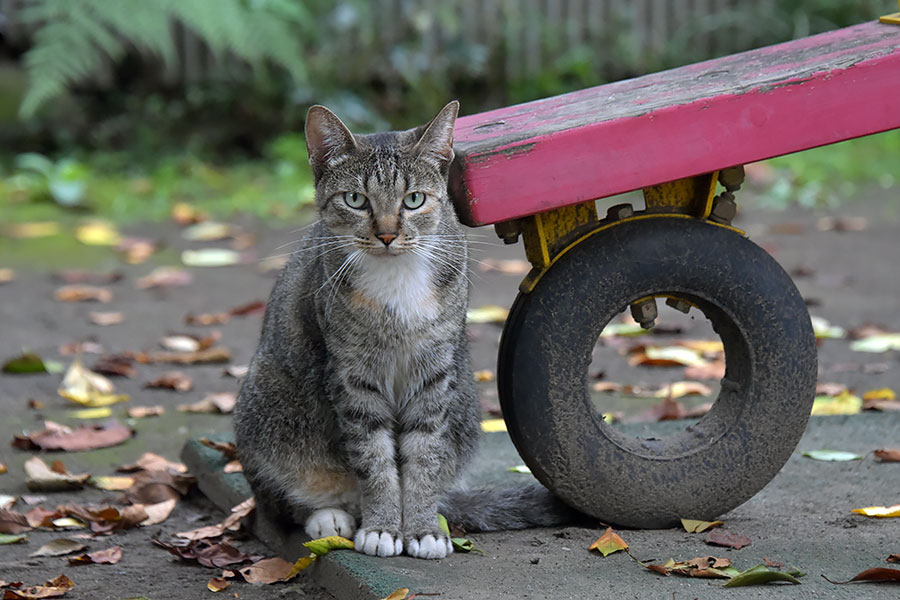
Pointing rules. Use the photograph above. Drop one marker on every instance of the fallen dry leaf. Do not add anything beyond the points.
(399, 594)
(231, 523)
(171, 380)
(228, 449)
(106, 318)
(216, 354)
(487, 314)
(187, 214)
(236, 371)
(59, 547)
(41, 478)
(141, 412)
(667, 410)
(842, 223)
(268, 570)
(111, 483)
(608, 543)
(700, 566)
(723, 537)
(182, 342)
(216, 555)
(153, 487)
(217, 584)
(159, 512)
(75, 276)
(109, 556)
(137, 250)
(893, 558)
(484, 375)
(878, 574)
(87, 388)
(254, 307)
(210, 257)
(695, 526)
(233, 466)
(7, 501)
(7, 275)
(116, 365)
(88, 437)
(83, 293)
(217, 402)
(888, 454)
(97, 232)
(13, 522)
(165, 277)
(83, 347)
(58, 586)
(153, 462)
(844, 403)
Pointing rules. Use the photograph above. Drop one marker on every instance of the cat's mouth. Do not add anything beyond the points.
(395, 248)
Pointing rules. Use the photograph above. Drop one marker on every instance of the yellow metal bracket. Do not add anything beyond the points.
(893, 19)
(549, 235)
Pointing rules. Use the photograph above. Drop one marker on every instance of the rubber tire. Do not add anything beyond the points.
(699, 472)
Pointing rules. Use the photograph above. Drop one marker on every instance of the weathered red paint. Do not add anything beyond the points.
(627, 135)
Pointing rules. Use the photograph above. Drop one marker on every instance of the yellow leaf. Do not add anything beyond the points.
(695, 526)
(491, 425)
(217, 584)
(844, 403)
(880, 512)
(400, 594)
(880, 394)
(302, 563)
(116, 483)
(608, 543)
(87, 388)
(487, 314)
(484, 375)
(323, 546)
(68, 523)
(679, 389)
(91, 413)
(98, 233)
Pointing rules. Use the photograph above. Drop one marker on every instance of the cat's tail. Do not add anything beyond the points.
(519, 507)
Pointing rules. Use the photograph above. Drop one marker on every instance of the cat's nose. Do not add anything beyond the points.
(387, 238)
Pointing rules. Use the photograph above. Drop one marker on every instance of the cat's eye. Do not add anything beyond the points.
(355, 199)
(414, 200)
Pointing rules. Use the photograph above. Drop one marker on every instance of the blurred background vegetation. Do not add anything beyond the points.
(125, 107)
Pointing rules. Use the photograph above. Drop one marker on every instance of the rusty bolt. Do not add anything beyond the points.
(508, 231)
(679, 305)
(644, 312)
(724, 208)
(619, 211)
(732, 177)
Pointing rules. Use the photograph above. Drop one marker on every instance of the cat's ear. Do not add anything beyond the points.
(328, 140)
(436, 142)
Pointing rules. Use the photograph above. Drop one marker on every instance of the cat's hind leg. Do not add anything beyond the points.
(330, 521)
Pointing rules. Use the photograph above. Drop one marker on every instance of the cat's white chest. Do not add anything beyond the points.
(402, 284)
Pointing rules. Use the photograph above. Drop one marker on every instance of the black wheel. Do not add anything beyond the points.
(706, 469)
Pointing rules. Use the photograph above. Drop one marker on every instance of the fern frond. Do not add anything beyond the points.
(73, 37)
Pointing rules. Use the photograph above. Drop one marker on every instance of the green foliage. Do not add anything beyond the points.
(74, 38)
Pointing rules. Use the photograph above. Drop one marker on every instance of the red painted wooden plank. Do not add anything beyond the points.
(623, 136)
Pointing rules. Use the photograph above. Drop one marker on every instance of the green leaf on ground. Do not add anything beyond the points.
(323, 546)
(6, 538)
(608, 543)
(760, 575)
(28, 362)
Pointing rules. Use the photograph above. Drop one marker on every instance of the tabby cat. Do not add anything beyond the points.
(359, 411)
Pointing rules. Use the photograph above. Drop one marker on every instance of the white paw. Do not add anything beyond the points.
(378, 543)
(330, 521)
(429, 546)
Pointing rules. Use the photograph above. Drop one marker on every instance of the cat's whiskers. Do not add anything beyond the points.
(347, 260)
(312, 239)
(346, 267)
(436, 255)
(337, 245)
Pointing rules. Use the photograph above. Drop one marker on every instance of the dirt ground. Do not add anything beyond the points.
(848, 277)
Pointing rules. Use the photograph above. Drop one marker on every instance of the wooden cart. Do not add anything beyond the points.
(536, 170)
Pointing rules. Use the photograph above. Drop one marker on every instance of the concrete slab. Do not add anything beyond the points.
(802, 518)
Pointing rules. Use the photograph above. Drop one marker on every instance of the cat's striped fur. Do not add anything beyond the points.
(359, 407)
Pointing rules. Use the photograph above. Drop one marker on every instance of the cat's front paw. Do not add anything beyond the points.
(377, 542)
(430, 545)
(330, 521)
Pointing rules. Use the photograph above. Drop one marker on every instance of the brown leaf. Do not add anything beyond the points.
(84, 347)
(236, 371)
(231, 523)
(608, 543)
(57, 586)
(88, 437)
(216, 354)
(140, 412)
(83, 293)
(712, 370)
(893, 558)
(59, 547)
(843, 223)
(39, 517)
(41, 478)
(723, 537)
(152, 487)
(878, 574)
(219, 402)
(159, 512)
(181, 342)
(171, 380)
(507, 267)
(137, 250)
(774, 564)
(109, 556)
(217, 584)
(233, 466)
(74, 276)
(268, 570)
(13, 522)
(219, 554)
(830, 389)
(106, 318)
(115, 365)
(153, 462)
(255, 307)
(666, 410)
(165, 277)
(888, 455)
(226, 448)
